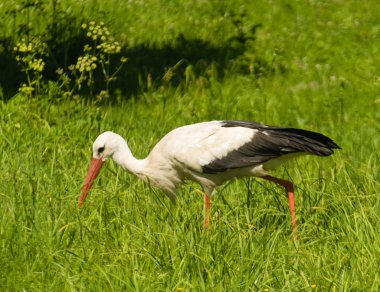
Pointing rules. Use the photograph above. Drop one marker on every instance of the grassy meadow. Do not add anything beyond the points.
(309, 64)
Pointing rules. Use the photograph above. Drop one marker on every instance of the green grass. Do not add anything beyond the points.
(128, 236)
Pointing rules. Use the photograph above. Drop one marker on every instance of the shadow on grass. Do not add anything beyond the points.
(172, 63)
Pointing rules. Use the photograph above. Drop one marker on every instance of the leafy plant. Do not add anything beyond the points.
(29, 56)
(96, 57)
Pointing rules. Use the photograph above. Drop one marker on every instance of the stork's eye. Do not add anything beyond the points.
(101, 149)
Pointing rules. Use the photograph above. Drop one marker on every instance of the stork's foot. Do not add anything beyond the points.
(207, 220)
(290, 192)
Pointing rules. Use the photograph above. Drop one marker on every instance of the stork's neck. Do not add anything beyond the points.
(147, 170)
(125, 159)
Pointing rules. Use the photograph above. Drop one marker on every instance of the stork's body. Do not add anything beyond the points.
(211, 153)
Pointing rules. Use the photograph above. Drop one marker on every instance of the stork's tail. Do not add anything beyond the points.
(287, 140)
(305, 141)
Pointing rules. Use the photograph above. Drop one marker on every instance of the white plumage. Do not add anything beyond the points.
(210, 153)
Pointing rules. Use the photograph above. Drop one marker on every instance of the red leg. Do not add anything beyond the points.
(207, 211)
(290, 191)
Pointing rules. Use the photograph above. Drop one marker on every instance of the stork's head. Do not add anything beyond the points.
(106, 145)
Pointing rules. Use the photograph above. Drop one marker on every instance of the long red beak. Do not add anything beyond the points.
(96, 165)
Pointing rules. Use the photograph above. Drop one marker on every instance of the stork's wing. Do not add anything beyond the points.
(214, 147)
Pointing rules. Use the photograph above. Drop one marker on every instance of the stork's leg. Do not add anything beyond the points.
(290, 191)
(207, 211)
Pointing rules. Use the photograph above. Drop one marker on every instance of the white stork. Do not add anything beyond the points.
(210, 153)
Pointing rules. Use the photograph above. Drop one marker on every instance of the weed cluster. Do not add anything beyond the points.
(29, 55)
(95, 61)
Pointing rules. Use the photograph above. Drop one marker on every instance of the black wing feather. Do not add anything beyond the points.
(271, 142)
